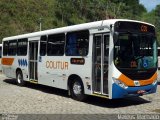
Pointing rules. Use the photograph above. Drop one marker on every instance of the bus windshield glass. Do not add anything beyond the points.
(135, 50)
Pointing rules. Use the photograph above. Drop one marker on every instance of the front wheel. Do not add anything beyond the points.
(19, 77)
(77, 90)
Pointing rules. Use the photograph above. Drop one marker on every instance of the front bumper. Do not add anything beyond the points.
(119, 92)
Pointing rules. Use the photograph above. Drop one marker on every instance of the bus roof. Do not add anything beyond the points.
(83, 26)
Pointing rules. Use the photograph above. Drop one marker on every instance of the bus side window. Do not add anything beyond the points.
(77, 43)
(12, 47)
(22, 47)
(5, 48)
(55, 45)
(158, 52)
(43, 45)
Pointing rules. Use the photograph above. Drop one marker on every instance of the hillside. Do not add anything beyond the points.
(23, 16)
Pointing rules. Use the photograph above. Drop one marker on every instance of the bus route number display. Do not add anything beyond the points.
(77, 61)
(144, 28)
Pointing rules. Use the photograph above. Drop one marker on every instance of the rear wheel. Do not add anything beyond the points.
(77, 90)
(19, 77)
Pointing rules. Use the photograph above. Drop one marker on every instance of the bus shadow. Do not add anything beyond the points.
(101, 102)
(116, 103)
(10, 81)
(47, 89)
(43, 88)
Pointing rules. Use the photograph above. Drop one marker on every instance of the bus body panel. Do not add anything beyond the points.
(146, 86)
(55, 71)
(132, 91)
(18, 62)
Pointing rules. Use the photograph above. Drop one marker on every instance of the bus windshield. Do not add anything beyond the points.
(135, 51)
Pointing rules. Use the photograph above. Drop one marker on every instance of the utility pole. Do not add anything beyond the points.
(40, 24)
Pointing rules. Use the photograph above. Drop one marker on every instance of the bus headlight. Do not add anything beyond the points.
(120, 83)
(155, 81)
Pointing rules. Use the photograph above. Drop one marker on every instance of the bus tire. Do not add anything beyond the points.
(19, 78)
(77, 90)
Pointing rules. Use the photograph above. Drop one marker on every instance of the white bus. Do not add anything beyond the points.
(0, 57)
(104, 58)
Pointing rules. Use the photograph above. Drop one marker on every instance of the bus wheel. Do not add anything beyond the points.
(19, 77)
(77, 90)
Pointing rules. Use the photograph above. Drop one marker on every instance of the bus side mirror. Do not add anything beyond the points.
(115, 37)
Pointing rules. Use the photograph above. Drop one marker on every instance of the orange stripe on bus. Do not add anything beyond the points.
(7, 61)
(129, 82)
(149, 81)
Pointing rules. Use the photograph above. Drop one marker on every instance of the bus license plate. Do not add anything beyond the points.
(141, 91)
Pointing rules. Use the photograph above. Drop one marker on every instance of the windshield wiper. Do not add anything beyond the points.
(139, 57)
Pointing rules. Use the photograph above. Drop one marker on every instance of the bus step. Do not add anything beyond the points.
(100, 95)
(33, 81)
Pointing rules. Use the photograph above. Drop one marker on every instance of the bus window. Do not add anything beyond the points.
(43, 45)
(5, 48)
(77, 43)
(55, 45)
(158, 51)
(158, 57)
(12, 47)
(22, 47)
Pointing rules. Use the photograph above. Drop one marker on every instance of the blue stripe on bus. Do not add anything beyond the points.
(119, 92)
(22, 62)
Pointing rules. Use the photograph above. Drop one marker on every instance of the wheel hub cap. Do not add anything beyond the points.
(19, 79)
(77, 89)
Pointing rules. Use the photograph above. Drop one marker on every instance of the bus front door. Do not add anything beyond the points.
(33, 61)
(100, 64)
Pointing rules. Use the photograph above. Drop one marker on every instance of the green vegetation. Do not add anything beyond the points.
(23, 16)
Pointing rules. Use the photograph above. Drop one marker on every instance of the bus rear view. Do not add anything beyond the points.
(135, 59)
